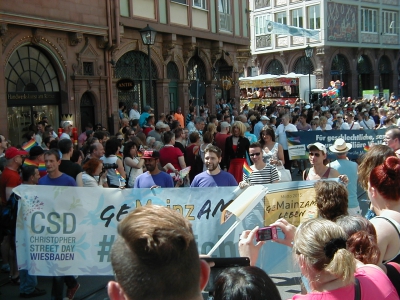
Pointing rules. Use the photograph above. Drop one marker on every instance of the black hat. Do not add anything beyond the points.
(151, 154)
(36, 151)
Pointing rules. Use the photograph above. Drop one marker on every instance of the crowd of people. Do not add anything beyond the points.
(151, 151)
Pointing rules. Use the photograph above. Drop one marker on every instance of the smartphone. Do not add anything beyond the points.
(220, 265)
(267, 234)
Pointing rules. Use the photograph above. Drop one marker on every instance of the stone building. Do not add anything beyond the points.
(65, 57)
(358, 42)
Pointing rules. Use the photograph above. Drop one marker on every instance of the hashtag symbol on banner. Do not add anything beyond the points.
(105, 245)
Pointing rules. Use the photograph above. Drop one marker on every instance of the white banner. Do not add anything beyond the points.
(70, 230)
(279, 28)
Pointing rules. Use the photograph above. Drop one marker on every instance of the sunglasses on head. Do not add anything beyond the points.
(254, 154)
(314, 154)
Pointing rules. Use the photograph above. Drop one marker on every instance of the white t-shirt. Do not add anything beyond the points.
(368, 124)
(344, 126)
(327, 127)
(281, 134)
(354, 126)
(134, 114)
(64, 136)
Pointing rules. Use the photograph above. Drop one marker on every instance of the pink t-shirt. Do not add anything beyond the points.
(373, 282)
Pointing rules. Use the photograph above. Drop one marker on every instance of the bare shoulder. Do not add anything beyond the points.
(333, 173)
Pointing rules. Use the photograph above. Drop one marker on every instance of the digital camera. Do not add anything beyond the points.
(266, 234)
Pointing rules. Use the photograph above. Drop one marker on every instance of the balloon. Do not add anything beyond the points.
(329, 88)
(323, 94)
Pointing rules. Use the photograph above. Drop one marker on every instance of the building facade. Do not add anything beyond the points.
(64, 58)
(358, 43)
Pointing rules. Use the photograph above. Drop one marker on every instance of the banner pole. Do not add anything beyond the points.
(232, 228)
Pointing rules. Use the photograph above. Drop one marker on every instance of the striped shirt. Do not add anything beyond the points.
(266, 175)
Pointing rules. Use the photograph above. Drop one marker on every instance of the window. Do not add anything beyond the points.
(200, 4)
(389, 18)
(225, 6)
(225, 17)
(369, 20)
(260, 24)
(297, 17)
(281, 18)
(261, 4)
(314, 17)
(88, 69)
(179, 1)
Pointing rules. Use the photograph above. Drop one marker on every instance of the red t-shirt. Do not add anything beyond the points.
(170, 155)
(9, 178)
(220, 140)
(146, 130)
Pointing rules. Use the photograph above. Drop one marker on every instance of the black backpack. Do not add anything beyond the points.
(8, 216)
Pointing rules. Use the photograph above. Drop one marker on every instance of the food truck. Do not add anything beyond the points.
(280, 88)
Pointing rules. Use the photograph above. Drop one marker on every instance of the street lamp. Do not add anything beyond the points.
(148, 37)
(309, 53)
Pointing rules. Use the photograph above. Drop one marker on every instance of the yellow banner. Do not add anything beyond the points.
(296, 206)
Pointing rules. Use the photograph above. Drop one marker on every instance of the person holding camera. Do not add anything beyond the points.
(113, 165)
(320, 250)
(94, 175)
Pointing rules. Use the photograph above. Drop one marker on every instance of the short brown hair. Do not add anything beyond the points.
(213, 149)
(155, 255)
(332, 199)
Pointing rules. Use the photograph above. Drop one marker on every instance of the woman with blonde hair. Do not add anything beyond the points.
(236, 150)
(323, 124)
(319, 247)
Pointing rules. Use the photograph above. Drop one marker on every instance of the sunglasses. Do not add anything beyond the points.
(254, 154)
(314, 154)
(340, 117)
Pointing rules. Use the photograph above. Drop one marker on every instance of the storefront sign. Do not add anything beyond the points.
(125, 84)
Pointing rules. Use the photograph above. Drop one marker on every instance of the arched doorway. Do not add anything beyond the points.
(87, 110)
(134, 65)
(173, 76)
(340, 70)
(197, 69)
(385, 75)
(365, 74)
(303, 65)
(222, 72)
(32, 91)
(274, 67)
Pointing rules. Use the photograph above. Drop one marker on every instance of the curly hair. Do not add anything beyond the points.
(364, 247)
(332, 199)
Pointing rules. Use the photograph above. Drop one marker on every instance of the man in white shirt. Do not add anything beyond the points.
(324, 107)
(67, 126)
(367, 122)
(284, 127)
(260, 125)
(134, 114)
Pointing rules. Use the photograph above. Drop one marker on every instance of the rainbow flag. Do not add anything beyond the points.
(366, 148)
(246, 169)
(120, 156)
(28, 162)
(42, 167)
(29, 145)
